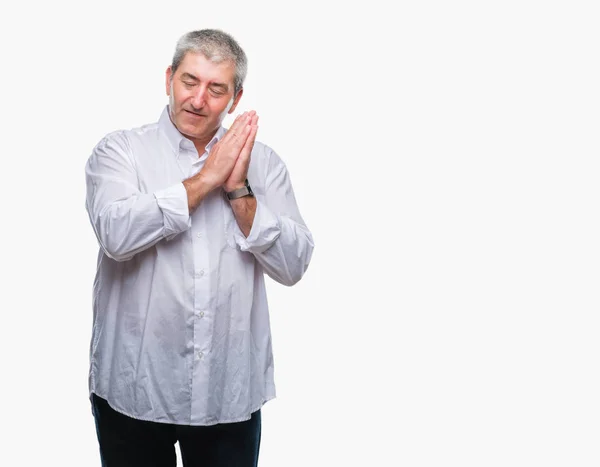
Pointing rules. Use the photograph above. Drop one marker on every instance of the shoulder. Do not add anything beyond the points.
(125, 142)
(115, 139)
(133, 136)
(112, 146)
(266, 155)
(143, 134)
(268, 165)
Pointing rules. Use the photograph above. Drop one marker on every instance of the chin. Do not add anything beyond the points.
(187, 128)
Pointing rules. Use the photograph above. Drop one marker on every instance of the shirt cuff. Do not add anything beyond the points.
(173, 203)
(265, 230)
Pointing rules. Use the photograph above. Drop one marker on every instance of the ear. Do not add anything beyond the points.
(168, 77)
(236, 100)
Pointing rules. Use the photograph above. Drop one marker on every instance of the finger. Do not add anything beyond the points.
(247, 149)
(237, 141)
(236, 129)
(237, 122)
(253, 120)
(231, 131)
(246, 119)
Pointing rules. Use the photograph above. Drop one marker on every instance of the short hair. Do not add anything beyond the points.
(217, 46)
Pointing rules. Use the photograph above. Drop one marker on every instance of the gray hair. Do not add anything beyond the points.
(217, 46)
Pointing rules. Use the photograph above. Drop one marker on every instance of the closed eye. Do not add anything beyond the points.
(217, 92)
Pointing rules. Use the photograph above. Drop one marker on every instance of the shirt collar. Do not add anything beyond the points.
(218, 135)
(176, 140)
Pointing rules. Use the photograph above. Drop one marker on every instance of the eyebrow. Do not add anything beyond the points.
(189, 76)
(186, 75)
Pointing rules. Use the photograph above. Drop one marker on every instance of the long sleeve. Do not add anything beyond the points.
(279, 238)
(125, 220)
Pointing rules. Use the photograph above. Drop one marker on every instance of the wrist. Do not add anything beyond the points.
(242, 192)
(233, 186)
(197, 187)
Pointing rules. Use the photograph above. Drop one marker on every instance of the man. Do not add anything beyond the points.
(188, 216)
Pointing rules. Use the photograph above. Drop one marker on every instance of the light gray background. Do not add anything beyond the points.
(445, 156)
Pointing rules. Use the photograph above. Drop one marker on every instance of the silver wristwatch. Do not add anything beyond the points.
(241, 192)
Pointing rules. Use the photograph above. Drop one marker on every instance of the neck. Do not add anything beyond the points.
(201, 143)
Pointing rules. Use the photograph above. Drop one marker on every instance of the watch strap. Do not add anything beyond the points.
(240, 192)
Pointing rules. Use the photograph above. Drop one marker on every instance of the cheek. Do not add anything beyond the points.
(178, 95)
(173, 97)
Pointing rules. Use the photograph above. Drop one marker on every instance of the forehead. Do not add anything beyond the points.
(198, 65)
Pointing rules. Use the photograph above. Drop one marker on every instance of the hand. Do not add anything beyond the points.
(224, 154)
(238, 175)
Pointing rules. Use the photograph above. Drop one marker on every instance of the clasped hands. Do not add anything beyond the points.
(228, 161)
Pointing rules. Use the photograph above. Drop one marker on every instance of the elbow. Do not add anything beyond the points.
(112, 243)
(284, 275)
(117, 255)
(296, 273)
(115, 250)
(293, 276)
(290, 281)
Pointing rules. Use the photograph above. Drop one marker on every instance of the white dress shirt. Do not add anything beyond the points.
(181, 328)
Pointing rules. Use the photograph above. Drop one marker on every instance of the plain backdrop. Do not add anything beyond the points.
(445, 157)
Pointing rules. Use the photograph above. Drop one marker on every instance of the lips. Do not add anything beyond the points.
(194, 114)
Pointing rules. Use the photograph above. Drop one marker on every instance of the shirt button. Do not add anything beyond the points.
(199, 235)
(200, 314)
(200, 355)
(200, 273)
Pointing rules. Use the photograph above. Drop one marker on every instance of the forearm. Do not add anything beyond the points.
(244, 210)
(287, 259)
(279, 238)
(281, 244)
(128, 226)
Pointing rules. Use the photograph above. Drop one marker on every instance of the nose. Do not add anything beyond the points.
(198, 99)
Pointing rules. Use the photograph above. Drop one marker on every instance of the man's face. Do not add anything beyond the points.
(200, 95)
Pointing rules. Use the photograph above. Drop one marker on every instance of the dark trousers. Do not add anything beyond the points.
(128, 442)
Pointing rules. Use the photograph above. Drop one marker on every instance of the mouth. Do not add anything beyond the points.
(194, 114)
